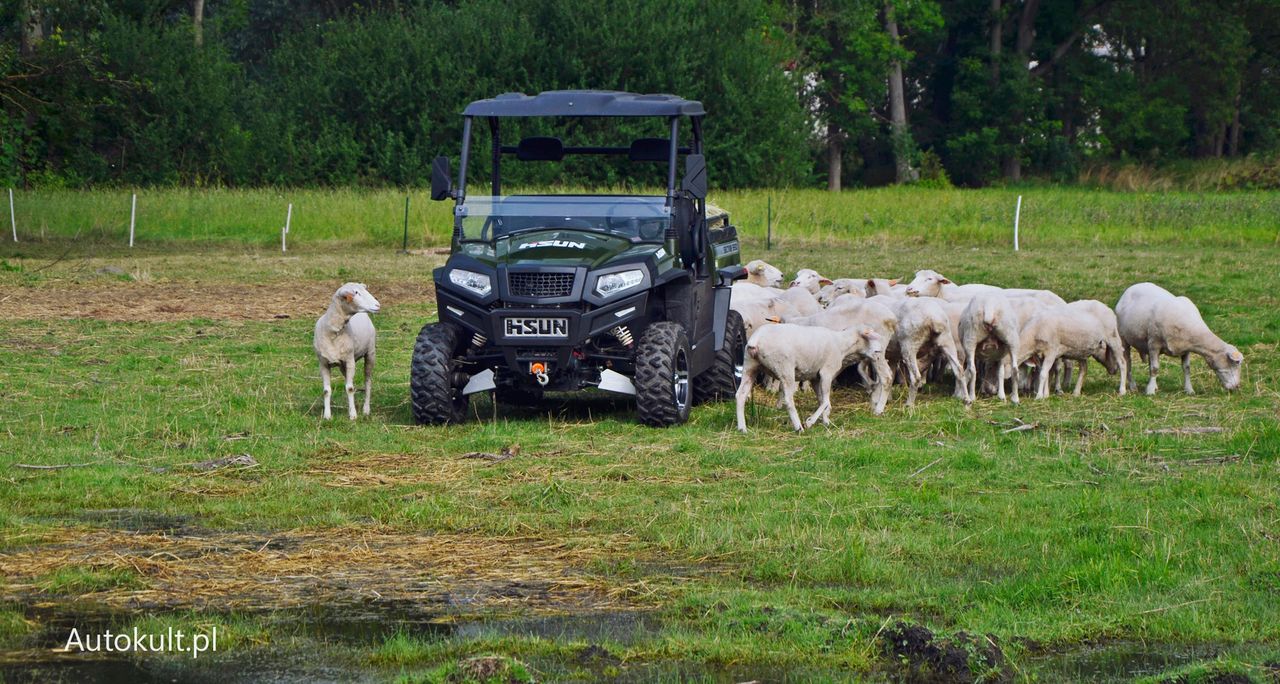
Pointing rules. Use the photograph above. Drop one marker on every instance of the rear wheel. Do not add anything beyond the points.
(721, 380)
(433, 392)
(663, 383)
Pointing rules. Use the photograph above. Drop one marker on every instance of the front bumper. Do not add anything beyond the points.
(584, 324)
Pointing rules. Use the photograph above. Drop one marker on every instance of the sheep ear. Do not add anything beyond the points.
(824, 281)
(759, 268)
(1235, 356)
(773, 319)
(348, 296)
(893, 282)
(870, 334)
(944, 281)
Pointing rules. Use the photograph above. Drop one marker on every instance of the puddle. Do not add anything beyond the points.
(1118, 661)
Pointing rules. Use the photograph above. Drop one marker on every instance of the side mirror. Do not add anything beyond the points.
(695, 176)
(441, 179)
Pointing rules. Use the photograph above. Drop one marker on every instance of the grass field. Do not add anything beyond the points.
(1105, 543)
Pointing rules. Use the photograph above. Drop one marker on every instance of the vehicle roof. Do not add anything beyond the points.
(584, 103)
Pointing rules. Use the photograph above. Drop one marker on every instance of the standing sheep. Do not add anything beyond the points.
(811, 280)
(989, 327)
(345, 334)
(858, 315)
(1079, 330)
(1155, 322)
(792, 353)
(763, 274)
(924, 333)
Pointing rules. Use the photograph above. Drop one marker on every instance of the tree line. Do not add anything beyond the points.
(799, 92)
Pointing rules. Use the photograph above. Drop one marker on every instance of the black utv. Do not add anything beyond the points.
(625, 293)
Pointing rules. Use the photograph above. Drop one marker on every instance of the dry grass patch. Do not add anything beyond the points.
(148, 302)
(432, 573)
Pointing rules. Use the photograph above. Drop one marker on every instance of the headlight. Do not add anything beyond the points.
(469, 280)
(613, 283)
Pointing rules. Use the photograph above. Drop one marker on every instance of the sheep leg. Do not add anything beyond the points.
(349, 371)
(328, 390)
(1042, 377)
(950, 353)
(912, 365)
(1084, 366)
(1186, 373)
(789, 386)
(970, 372)
(824, 400)
(1128, 362)
(1153, 364)
(880, 391)
(750, 367)
(1013, 356)
(1122, 356)
(368, 380)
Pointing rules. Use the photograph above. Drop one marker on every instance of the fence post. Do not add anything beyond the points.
(768, 235)
(133, 216)
(284, 232)
(1017, 214)
(12, 221)
(404, 247)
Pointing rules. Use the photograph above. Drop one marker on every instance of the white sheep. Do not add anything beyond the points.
(798, 301)
(884, 287)
(838, 288)
(989, 326)
(763, 274)
(345, 334)
(923, 333)
(756, 312)
(1078, 331)
(864, 314)
(792, 353)
(1155, 322)
(811, 280)
(929, 283)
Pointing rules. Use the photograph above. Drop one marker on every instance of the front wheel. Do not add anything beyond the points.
(663, 383)
(721, 380)
(435, 397)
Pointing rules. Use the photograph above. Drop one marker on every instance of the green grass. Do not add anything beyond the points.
(794, 549)
(1051, 216)
(75, 580)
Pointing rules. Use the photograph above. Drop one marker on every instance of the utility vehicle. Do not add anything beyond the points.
(624, 293)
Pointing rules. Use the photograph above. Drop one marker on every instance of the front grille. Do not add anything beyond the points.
(540, 284)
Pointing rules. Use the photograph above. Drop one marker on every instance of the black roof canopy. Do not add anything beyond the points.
(584, 103)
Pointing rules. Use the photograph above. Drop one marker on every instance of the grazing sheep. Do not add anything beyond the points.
(1079, 331)
(1155, 322)
(763, 274)
(792, 353)
(864, 314)
(988, 326)
(345, 334)
(923, 334)
(809, 279)
(838, 288)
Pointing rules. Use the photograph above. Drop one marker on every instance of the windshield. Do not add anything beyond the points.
(638, 218)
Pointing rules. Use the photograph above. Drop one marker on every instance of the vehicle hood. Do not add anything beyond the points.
(557, 247)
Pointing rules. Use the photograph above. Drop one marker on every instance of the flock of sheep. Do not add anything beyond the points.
(816, 328)
(984, 335)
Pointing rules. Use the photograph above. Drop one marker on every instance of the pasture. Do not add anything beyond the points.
(1113, 538)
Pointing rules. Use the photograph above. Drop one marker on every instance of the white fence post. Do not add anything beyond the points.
(1017, 214)
(12, 221)
(284, 232)
(133, 216)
